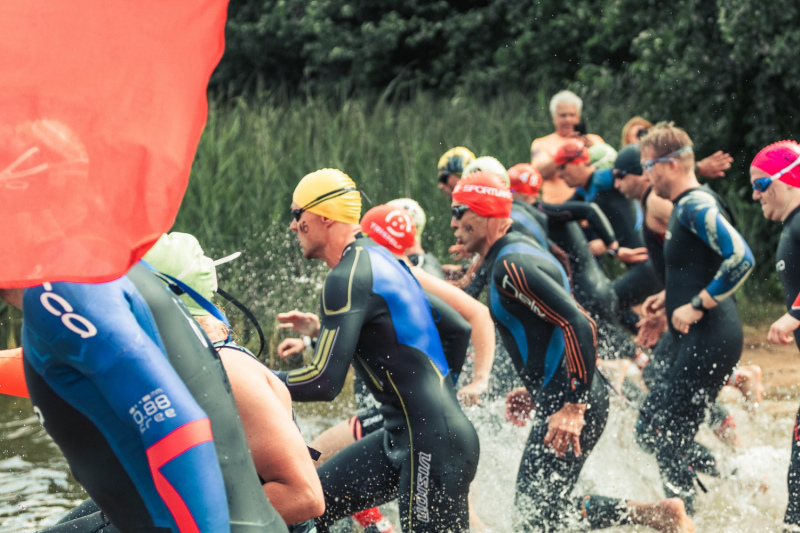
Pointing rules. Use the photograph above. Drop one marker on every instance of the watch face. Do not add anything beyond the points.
(697, 303)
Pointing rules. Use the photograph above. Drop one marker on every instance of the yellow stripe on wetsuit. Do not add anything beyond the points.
(327, 339)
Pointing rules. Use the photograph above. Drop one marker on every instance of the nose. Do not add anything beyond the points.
(756, 194)
(454, 223)
(293, 225)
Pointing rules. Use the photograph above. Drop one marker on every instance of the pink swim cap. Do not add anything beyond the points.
(777, 157)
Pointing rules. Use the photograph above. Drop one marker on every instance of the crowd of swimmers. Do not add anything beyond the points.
(170, 425)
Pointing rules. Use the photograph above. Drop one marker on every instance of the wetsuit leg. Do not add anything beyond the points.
(84, 509)
(705, 357)
(357, 478)
(544, 481)
(792, 515)
(93, 461)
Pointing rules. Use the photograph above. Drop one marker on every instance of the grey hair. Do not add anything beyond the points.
(565, 97)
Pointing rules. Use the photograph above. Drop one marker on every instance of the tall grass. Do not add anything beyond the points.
(254, 151)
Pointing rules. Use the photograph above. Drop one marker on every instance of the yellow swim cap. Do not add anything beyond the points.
(453, 161)
(329, 193)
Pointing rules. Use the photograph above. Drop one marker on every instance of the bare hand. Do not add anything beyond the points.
(685, 317)
(632, 255)
(654, 305)
(471, 394)
(715, 165)
(782, 331)
(650, 329)
(519, 405)
(289, 347)
(597, 247)
(303, 323)
(564, 428)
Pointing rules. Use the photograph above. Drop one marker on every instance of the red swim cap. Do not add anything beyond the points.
(778, 156)
(525, 179)
(390, 226)
(485, 194)
(572, 152)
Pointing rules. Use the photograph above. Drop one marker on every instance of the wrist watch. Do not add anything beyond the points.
(697, 303)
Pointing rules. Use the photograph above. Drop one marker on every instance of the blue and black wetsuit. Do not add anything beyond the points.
(131, 392)
(702, 251)
(454, 332)
(375, 315)
(788, 267)
(591, 287)
(105, 391)
(626, 217)
(552, 343)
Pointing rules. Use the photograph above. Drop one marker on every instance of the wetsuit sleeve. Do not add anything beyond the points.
(700, 213)
(580, 210)
(454, 333)
(792, 279)
(533, 283)
(106, 333)
(344, 299)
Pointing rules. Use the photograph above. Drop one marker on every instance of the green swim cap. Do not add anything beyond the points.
(414, 209)
(488, 164)
(181, 256)
(602, 155)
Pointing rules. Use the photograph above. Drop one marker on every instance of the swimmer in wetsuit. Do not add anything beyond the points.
(552, 343)
(104, 389)
(706, 261)
(593, 185)
(375, 315)
(775, 176)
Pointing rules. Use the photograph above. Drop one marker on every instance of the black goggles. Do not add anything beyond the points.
(458, 211)
(619, 173)
(297, 213)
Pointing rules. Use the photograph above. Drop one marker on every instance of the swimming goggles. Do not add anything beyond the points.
(648, 165)
(762, 184)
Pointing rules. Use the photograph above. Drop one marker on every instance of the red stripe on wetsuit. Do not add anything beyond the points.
(182, 439)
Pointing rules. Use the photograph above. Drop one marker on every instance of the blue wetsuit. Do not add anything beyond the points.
(702, 251)
(375, 315)
(133, 435)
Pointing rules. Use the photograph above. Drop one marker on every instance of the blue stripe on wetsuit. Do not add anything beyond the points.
(402, 294)
(97, 347)
(555, 347)
(699, 213)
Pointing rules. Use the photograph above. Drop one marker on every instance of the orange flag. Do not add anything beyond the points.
(101, 108)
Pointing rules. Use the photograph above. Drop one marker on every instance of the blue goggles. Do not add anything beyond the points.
(648, 165)
(762, 184)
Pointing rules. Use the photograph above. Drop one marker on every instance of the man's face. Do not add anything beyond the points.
(310, 232)
(566, 117)
(774, 200)
(449, 184)
(658, 175)
(630, 185)
(470, 231)
(573, 175)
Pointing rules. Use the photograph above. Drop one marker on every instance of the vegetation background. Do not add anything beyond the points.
(381, 88)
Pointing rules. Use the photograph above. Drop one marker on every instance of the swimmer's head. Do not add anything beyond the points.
(525, 179)
(390, 226)
(181, 256)
(781, 161)
(489, 164)
(415, 210)
(329, 193)
(451, 167)
(485, 194)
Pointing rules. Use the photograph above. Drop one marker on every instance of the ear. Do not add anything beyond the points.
(327, 222)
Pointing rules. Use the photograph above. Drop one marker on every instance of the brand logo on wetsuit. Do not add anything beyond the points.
(667, 235)
(507, 284)
(57, 305)
(780, 266)
(423, 473)
(156, 407)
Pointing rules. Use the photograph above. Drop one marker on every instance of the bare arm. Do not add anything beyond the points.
(279, 452)
(477, 314)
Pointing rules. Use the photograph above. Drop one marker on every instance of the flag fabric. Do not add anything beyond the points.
(102, 105)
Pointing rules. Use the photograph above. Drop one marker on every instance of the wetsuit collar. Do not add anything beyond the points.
(359, 236)
(791, 215)
(684, 193)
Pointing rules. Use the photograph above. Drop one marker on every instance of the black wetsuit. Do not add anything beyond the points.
(552, 342)
(702, 251)
(639, 280)
(375, 315)
(788, 267)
